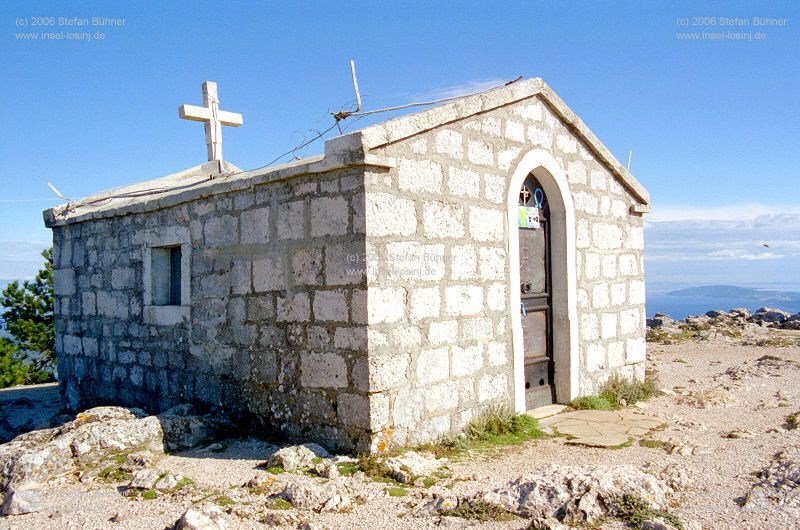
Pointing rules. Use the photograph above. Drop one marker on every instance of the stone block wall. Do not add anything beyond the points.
(275, 330)
(440, 338)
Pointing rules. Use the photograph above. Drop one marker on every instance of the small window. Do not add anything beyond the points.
(166, 275)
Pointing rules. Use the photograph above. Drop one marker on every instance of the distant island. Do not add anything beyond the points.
(762, 296)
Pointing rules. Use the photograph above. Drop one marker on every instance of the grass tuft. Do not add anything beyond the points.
(619, 391)
(279, 504)
(114, 474)
(651, 443)
(634, 511)
(149, 495)
(397, 491)
(224, 500)
(480, 511)
(792, 421)
(591, 403)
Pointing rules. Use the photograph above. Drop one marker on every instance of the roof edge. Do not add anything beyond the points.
(402, 127)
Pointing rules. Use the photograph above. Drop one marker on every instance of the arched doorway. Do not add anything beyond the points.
(535, 275)
(540, 169)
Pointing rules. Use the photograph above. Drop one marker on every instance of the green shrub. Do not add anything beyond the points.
(480, 511)
(397, 492)
(591, 403)
(619, 391)
(15, 371)
(634, 510)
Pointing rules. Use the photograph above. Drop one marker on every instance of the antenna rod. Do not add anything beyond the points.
(355, 85)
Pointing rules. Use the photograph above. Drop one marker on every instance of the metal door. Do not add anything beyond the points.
(535, 293)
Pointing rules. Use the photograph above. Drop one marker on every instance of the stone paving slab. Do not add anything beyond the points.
(546, 411)
(601, 428)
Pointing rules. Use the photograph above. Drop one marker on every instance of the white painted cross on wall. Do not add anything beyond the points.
(212, 117)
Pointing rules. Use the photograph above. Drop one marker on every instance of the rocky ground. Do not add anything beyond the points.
(727, 455)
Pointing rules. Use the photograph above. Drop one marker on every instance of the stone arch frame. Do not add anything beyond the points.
(566, 354)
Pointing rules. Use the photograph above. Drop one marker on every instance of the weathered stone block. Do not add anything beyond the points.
(485, 224)
(636, 350)
(590, 328)
(401, 222)
(353, 410)
(345, 263)
(330, 306)
(64, 282)
(415, 261)
(442, 332)
(492, 263)
(425, 303)
(443, 219)
(480, 152)
(629, 321)
(463, 300)
(293, 307)
(606, 236)
(255, 226)
(492, 387)
(323, 370)
(463, 262)
(432, 366)
(386, 304)
(307, 266)
(449, 143)
(475, 329)
(467, 360)
(463, 182)
(290, 220)
(123, 278)
(329, 216)
(350, 339)
(419, 175)
(221, 231)
(241, 282)
(608, 325)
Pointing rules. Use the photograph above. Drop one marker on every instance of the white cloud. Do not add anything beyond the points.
(735, 244)
(462, 89)
(19, 260)
(733, 212)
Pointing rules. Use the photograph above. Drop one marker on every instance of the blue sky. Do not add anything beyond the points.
(714, 125)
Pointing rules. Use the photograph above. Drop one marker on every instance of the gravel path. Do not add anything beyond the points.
(718, 389)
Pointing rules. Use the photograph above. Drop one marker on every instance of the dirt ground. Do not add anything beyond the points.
(725, 408)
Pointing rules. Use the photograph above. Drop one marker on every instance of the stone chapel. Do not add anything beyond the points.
(487, 250)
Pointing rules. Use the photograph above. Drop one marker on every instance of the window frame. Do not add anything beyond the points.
(167, 315)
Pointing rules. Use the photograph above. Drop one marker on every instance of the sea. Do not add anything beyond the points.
(679, 307)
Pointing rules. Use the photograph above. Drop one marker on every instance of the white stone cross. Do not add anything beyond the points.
(212, 117)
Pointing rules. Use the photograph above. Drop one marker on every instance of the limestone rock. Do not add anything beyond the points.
(139, 460)
(208, 518)
(576, 495)
(659, 320)
(18, 502)
(327, 469)
(768, 314)
(778, 485)
(183, 429)
(144, 479)
(435, 506)
(168, 482)
(307, 494)
(297, 456)
(793, 322)
(38, 456)
(408, 466)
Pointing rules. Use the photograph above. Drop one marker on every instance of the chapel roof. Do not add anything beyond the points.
(352, 149)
